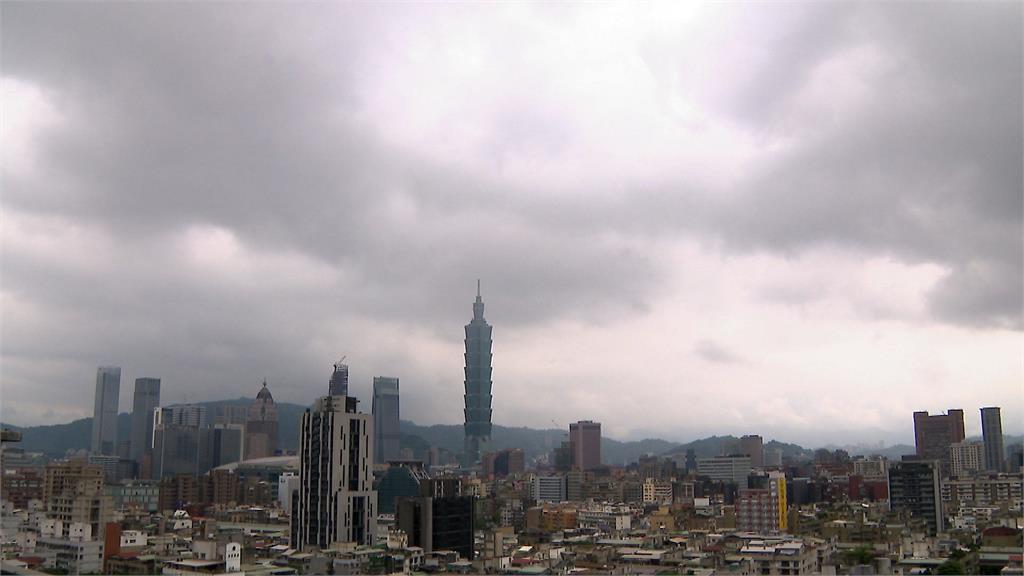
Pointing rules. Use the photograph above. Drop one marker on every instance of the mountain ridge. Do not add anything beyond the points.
(55, 440)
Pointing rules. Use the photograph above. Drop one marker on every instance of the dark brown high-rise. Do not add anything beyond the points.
(934, 434)
(585, 442)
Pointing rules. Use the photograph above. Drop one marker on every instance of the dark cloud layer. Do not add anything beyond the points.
(242, 128)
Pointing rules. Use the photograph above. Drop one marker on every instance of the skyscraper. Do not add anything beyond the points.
(752, 445)
(478, 384)
(992, 434)
(335, 501)
(386, 418)
(585, 442)
(104, 412)
(261, 426)
(146, 399)
(933, 435)
(339, 379)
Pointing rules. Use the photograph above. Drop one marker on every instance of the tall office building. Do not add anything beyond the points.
(146, 399)
(735, 469)
(914, 487)
(386, 419)
(992, 434)
(478, 384)
(752, 445)
(440, 518)
(339, 379)
(933, 435)
(104, 412)
(336, 501)
(183, 442)
(585, 443)
(261, 426)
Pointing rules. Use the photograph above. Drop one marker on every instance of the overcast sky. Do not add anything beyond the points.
(799, 220)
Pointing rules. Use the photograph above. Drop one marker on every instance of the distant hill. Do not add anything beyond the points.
(55, 440)
(533, 442)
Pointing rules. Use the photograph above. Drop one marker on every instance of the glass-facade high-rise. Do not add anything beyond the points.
(104, 412)
(146, 399)
(992, 434)
(386, 425)
(478, 384)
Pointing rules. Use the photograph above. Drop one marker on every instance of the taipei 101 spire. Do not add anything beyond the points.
(478, 384)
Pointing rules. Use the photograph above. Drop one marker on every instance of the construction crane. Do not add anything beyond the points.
(340, 363)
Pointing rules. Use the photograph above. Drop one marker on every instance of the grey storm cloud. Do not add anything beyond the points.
(714, 352)
(241, 124)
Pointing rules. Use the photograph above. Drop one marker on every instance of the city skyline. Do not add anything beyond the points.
(699, 220)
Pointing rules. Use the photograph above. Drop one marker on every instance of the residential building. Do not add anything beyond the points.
(781, 556)
(992, 434)
(145, 400)
(386, 418)
(70, 549)
(914, 487)
(657, 491)
(73, 493)
(1004, 489)
(20, 486)
(966, 458)
(764, 509)
(335, 502)
(585, 443)
(934, 434)
(141, 495)
(478, 384)
(872, 468)
(104, 412)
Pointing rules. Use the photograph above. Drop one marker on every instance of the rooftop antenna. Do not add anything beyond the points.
(477, 287)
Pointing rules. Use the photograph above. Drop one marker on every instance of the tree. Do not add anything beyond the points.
(860, 555)
(951, 567)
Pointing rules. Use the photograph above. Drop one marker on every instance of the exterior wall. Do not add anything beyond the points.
(764, 511)
(82, 557)
(336, 501)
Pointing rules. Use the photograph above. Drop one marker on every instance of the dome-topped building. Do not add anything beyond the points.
(261, 426)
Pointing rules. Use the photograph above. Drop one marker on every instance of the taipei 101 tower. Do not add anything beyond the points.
(478, 384)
